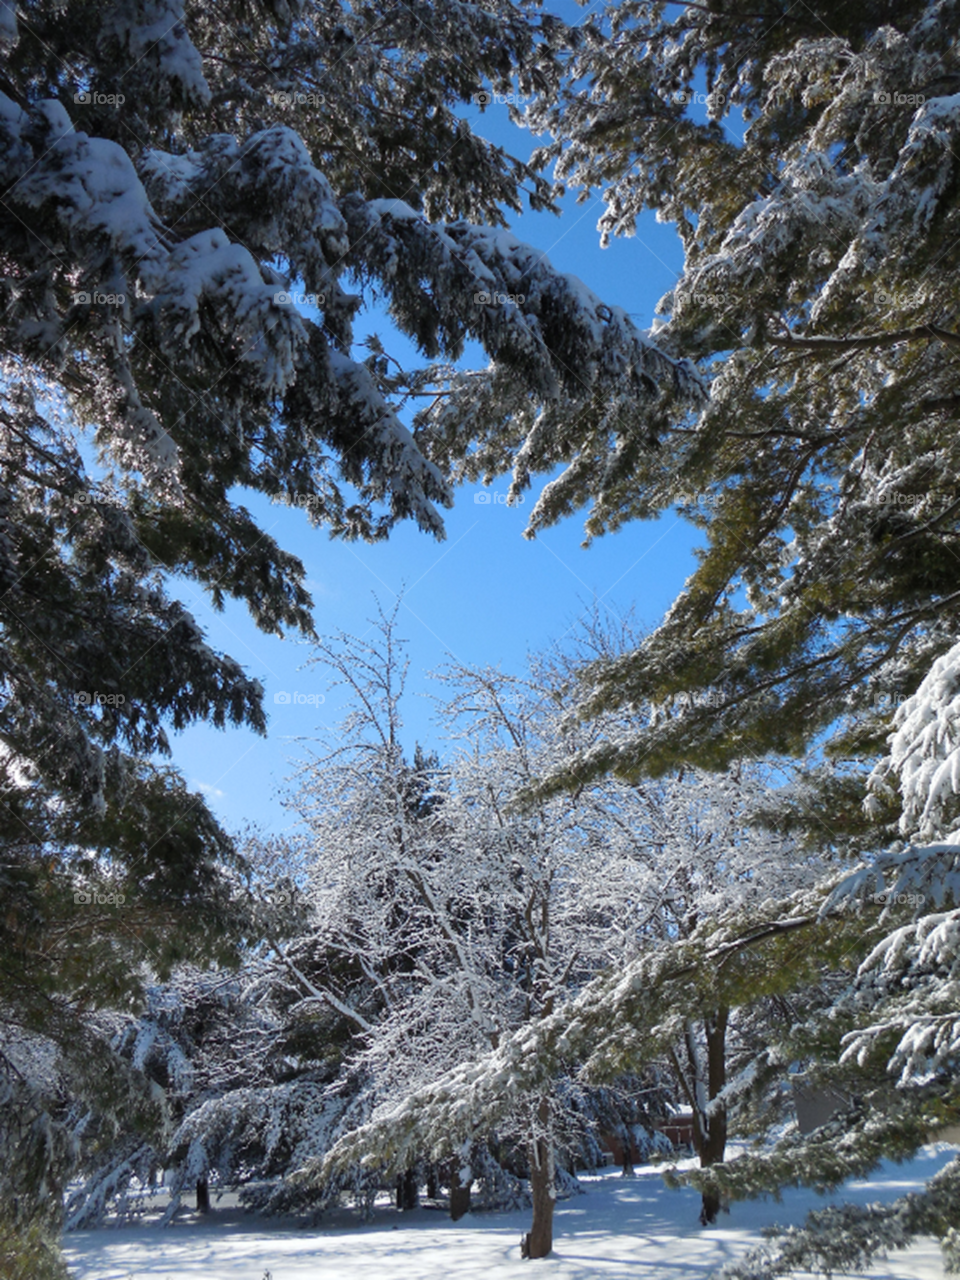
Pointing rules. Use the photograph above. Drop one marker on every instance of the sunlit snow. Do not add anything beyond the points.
(621, 1227)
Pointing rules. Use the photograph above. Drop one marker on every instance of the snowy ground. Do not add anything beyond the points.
(621, 1227)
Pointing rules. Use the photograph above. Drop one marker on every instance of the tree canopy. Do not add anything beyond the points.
(816, 202)
(196, 202)
(817, 207)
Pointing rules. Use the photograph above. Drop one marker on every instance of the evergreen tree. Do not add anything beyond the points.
(818, 298)
(176, 181)
(891, 1037)
(807, 156)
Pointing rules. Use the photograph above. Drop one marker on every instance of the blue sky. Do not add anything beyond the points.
(483, 596)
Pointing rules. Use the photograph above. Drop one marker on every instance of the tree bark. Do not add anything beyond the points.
(627, 1171)
(432, 1183)
(203, 1196)
(538, 1242)
(459, 1194)
(714, 1129)
(407, 1190)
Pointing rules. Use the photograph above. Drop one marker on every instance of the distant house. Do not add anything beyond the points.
(615, 1144)
(677, 1129)
(634, 1144)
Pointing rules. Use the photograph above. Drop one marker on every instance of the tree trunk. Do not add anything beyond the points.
(714, 1128)
(626, 1139)
(407, 1190)
(459, 1194)
(203, 1196)
(432, 1183)
(538, 1242)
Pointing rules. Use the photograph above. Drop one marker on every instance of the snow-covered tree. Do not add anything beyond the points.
(46, 1098)
(504, 913)
(196, 206)
(196, 1038)
(629, 1015)
(434, 921)
(246, 1066)
(896, 1029)
(814, 197)
(887, 1040)
(169, 197)
(807, 156)
(467, 919)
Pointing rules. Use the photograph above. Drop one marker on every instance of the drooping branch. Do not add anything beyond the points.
(864, 342)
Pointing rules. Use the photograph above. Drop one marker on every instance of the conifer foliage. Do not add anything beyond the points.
(192, 197)
(807, 155)
(197, 201)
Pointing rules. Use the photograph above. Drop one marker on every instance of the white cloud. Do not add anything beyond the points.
(207, 789)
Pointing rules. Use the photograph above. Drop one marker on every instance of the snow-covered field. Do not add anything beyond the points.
(621, 1227)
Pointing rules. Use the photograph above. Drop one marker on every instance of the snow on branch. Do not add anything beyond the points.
(616, 1021)
(191, 256)
(849, 1237)
(916, 876)
(487, 284)
(924, 751)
